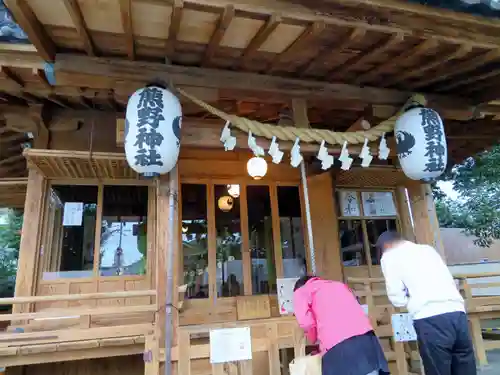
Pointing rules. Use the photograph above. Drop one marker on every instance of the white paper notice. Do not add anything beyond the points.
(378, 203)
(230, 345)
(285, 295)
(73, 214)
(402, 326)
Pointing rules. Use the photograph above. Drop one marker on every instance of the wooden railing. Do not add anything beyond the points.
(27, 341)
(380, 312)
(480, 307)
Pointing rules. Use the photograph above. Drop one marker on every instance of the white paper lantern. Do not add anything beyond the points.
(233, 190)
(257, 167)
(225, 203)
(421, 144)
(153, 131)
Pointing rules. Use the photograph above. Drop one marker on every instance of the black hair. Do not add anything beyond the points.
(301, 282)
(387, 237)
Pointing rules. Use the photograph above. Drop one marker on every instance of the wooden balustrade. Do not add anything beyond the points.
(480, 307)
(380, 311)
(27, 342)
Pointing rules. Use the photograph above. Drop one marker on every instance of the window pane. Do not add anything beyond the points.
(260, 232)
(375, 228)
(351, 242)
(292, 236)
(69, 251)
(124, 231)
(195, 240)
(228, 227)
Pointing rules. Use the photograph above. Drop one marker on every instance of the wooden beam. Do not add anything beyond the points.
(175, 24)
(310, 32)
(126, 15)
(81, 27)
(458, 53)
(20, 56)
(462, 68)
(85, 71)
(326, 53)
(206, 133)
(54, 98)
(399, 61)
(359, 124)
(225, 19)
(469, 80)
(9, 74)
(26, 19)
(39, 74)
(339, 13)
(362, 57)
(264, 32)
(11, 159)
(13, 138)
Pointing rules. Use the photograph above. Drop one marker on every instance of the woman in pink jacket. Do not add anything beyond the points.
(331, 317)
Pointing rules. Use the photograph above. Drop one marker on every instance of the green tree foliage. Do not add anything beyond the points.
(10, 239)
(477, 180)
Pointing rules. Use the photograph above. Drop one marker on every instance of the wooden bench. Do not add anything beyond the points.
(29, 341)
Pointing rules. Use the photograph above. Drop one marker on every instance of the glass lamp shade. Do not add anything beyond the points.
(225, 203)
(233, 190)
(257, 167)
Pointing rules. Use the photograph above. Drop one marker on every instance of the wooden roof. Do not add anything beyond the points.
(350, 59)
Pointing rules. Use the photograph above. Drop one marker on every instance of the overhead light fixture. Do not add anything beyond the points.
(233, 190)
(225, 203)
(257, 167)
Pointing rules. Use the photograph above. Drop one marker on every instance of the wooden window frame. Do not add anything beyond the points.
(245, 240)
(363, 219)
(96, 277)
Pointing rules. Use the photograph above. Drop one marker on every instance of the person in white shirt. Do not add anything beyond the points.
(417, 278)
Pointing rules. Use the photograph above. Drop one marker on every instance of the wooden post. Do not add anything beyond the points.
(167, 194)
(325, 226)
(425, 220)
(29, 249)
(475, 326)
(404, 213)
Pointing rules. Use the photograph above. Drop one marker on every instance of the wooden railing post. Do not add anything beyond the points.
(475, 325)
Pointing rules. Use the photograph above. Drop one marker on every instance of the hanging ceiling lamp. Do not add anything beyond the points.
(233, 190)
(257, 167)
(225, 203)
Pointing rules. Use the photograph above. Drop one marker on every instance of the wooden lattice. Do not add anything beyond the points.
(80, 164)
(371, 177)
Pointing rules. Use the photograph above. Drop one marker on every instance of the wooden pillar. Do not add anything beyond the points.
(425, 220)
(167, 194)
(325, 226)
(29, 249)
(405, 220)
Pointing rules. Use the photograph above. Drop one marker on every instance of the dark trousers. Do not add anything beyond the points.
(445, 345)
